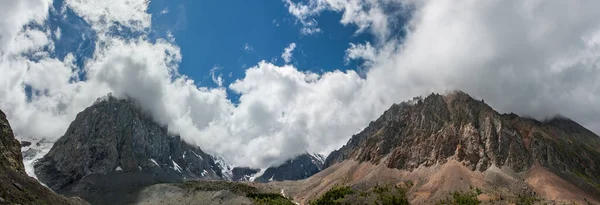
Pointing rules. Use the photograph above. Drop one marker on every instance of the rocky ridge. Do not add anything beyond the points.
(436, 129)
(114, 148)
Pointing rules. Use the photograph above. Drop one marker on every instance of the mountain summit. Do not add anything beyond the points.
(432, 130)
(114, 148)
(445, 137)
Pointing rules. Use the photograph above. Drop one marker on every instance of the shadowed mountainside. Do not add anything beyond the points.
(113, 148)
(16, 187)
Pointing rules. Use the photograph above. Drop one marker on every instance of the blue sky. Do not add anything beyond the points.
(215, 33)
(233, 38)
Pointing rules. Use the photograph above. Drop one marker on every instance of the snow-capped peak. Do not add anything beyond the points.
(318, 157)
(224, 166)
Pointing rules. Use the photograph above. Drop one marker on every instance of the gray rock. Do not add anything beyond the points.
(115, 143)
(25, 143)
(30, 153)
(19, 187)
(301, 167)
(243, 173)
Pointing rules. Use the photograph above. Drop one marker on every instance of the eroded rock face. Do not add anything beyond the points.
(432, 130)
(115, 145)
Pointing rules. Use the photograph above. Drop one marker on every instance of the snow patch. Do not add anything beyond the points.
(258, 174)
(226, 168)
(154, 161)
(317, 159)
(198, 155)
(176, 167)
(37, 150)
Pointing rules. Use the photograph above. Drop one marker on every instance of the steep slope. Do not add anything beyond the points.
(16, 186)
(421, 137)
(301, 167)
(113, 148)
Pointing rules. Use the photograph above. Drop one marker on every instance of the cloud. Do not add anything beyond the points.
(535, 58)
(217, 79)
(102, 15)
(539, 59)
(248, 47)
(287, 53)
(362, 13)
(164, 11)
(310, 31)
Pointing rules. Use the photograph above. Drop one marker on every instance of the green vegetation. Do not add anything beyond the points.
(461, 198)
(526, 200)
(237, 188)
(333, 196)
(587, 179)
(269, 199)
(391, 195)
(378, 195)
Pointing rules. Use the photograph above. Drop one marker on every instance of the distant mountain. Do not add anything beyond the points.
(445, 143)
(16, 187)
(244, 174)
(114, 148)
(301, 167)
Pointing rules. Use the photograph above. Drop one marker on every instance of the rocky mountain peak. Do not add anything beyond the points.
(115, 141)
(299, 167)
(431, 130)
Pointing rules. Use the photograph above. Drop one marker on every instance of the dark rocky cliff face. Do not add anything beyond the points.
(432, 130)
(15, 186)
(113, 148)
(301, 167)
(10, 155)
(243, 173)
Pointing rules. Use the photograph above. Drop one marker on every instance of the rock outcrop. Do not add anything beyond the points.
(16, 187)
(10, 157)
(114, 148)
(301, 167)
(431, 131)
(243, 173)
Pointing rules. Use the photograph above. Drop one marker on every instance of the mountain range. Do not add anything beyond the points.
(115, 153)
